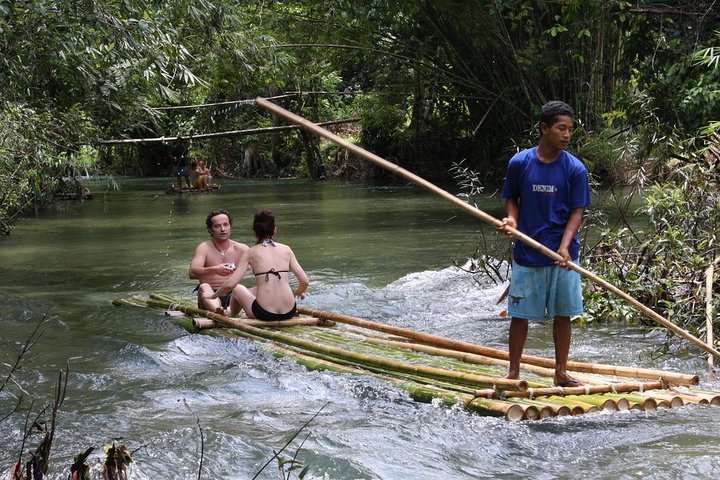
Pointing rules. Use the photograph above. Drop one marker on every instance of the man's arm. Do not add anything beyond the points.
(572, 227)
(512, 212)
(198, 270)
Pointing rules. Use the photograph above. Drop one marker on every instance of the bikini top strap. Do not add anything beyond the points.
(272, 271)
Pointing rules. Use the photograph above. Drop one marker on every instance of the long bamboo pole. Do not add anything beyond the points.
(418, 392)
(433, 372)
(459, 345)
(709, 316)
(397, 170)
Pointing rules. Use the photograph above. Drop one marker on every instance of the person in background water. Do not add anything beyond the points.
(205, 172)
(271, 261)
(546, 191)
(197, 177)
(214, 261)
(179, 155)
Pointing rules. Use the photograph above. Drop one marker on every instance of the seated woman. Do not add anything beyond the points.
(204, 171)
(273, 299)
(197, 176)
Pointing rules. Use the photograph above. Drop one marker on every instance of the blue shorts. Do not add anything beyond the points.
(537, 293)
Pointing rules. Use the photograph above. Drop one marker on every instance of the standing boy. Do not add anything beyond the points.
(546, 191)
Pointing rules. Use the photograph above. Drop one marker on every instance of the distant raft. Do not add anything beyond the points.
(174, 189)
(431, 367)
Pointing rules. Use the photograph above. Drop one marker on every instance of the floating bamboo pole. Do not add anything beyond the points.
(479, 359)
(461, 346)
(534, 403)
(201, 323)
(643, 403)
(469, 379)
(600, 401)
(418, 392)
(712, 397)
(709, 315)
(510, 411)
(621, 402)
(576, 406)
(395, 169)
(584, 390)
(673, 400)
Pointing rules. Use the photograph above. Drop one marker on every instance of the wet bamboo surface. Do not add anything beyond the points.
(430, 369)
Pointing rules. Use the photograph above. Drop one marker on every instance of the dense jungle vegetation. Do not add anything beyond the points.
(433, 84)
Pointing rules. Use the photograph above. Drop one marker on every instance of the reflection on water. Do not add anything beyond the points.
(382, 253)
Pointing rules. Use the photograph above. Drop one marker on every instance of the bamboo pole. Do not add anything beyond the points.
(644, 403)
(482, 359)
(576, 406)
(230, 133)
(202, 323)
(621, 402)
(461, 346)
(397, 170)
(433, 372)
(584, 390)
(422, 393)
(709, 274)
(600, 401)
(673, 400)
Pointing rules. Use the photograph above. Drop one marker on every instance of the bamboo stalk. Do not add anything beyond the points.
(479, 359)
(544, 410)
(510, 411)
(621, 402)
(455, 362)
(395, 169)
(600, 401)
(672, 400)
(459, 345)
(584, 390)
(337, 340)
(576, 406)
(420, 393)
(646, 404)
(559, 409)
(470, 379)
(201, 323)
(712, 397)
(695, 397)
(709, 274)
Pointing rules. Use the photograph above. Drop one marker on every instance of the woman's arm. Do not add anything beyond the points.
(236, 276)
(300, 274)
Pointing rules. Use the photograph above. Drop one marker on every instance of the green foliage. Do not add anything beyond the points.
(34, 159)
(664, 266)
(382, 123)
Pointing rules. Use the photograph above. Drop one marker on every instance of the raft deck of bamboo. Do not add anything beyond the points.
(431, 367)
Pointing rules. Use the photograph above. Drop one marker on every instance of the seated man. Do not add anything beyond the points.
(214, 261)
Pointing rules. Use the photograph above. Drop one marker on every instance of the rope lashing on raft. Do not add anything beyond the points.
(531, 391)
(612, 388)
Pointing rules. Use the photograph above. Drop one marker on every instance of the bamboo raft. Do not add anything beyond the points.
(430, 367)
(173, 189)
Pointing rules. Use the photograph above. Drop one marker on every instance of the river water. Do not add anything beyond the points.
(378, 252)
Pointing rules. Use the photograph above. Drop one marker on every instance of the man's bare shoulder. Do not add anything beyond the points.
(203, 246)
(239, 246)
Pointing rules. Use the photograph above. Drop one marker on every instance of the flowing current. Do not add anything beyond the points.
(384, 253)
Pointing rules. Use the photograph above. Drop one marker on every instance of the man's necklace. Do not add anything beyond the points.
(222, 252)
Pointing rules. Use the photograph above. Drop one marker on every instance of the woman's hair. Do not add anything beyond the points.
(264, 224)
